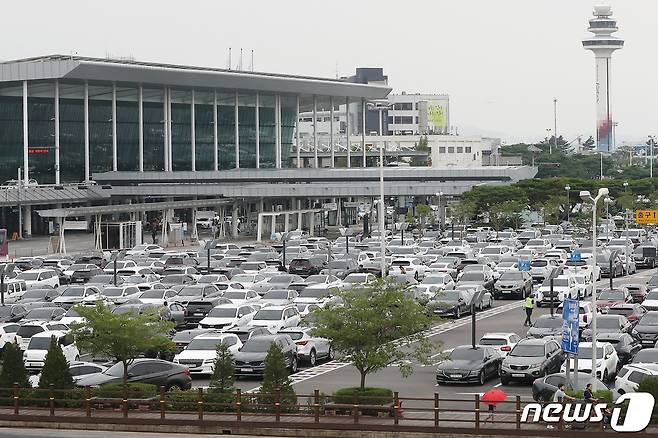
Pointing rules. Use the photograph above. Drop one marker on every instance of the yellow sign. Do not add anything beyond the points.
(645, 217)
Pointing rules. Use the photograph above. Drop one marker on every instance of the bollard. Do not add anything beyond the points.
(125, 401)
(199, 402)
(518, 412)
(162, 402)
(396, 408)
(16, 398)
(316, 404)
(51, 399)
(238, 404)
(355, 408)
(277, 405)
(436, 409)
(477, 411)
(88, 401)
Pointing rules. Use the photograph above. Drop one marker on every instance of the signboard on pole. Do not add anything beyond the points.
(330, 206)
(646, 217)
(570, 318)
(575, 256)
(524, 265)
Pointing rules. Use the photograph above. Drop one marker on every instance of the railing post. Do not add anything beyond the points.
(277, 405)
(477, 411)
(15, 398)
(162, 402)
(436, 409)
(316, 404)
(396, 408)
(199, 402)
(125, 401)
(238, 404)
(51, 399)
(518, 412)
(355, 407)
(88, 401)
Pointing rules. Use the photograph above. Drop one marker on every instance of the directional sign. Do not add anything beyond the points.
(570, 334)
(524, 265)
(646, 217)
(575, 256)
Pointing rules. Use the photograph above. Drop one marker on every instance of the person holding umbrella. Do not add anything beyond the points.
(492, 398)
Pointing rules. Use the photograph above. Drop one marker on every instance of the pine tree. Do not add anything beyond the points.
(222, 379)
(276, 380)
(13, 368)
(55, 368)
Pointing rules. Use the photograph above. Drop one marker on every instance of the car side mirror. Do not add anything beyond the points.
(548, 355)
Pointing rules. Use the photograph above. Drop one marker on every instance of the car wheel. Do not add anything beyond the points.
(312, 358)
(174, 387)
(293, 366)
(504, 380)
(416, 276)
(490, 303)
(77, 358)
(458, 313)
(605, 375)
(482, 378)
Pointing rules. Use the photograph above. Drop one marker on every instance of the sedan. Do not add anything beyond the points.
(633, 312)
(546, 325)
(152, 371)
(646, 329)
(250, 360)
(608, 323)
(625, 345)
(469, 365)
(451, 303)
(544, 388)
(638, 291)
(12, 312)
(609, 297)
(513, 284)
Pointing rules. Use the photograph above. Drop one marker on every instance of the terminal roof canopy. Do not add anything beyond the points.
(128, 71)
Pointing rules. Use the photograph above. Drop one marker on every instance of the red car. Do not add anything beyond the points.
(609, 297)
(632, 311)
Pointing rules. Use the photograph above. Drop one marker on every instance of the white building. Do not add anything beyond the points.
(412, 114)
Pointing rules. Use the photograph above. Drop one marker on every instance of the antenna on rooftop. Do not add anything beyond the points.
(229, 58)
(252, 60)
(240, 63)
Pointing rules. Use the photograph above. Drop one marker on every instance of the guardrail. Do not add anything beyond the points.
(279, 409)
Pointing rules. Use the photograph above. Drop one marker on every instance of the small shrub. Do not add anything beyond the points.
(187, 401)
(135, 390)
(223, 376)
(366, 396)
(276, 383)
(55, 368)
(13, 369)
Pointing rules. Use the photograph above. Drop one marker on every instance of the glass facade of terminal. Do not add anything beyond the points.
(186, 127)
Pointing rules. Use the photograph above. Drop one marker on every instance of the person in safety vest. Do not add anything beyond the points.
(528, 305)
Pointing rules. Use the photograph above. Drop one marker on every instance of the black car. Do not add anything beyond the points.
(469, 365)
(531, 358)
(176, 279)
(340, 268)
(603, 262)
(647, 355)
(198, 300)
(646, 330)
(250, 359)
(247, 332)
(546, 325)
(45, 314)
(152, 371)
(632, 311)
(476, 278)
(306, 266)
(625, 345)
(184, 337)
(12, 312)
(544, 388)
(608, 323)
(653, 282)
(644, 256)
(38, 295)
(451, 303)
(84, 275)
(513, 284)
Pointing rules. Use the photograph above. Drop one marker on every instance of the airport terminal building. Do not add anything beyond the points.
(92, 131)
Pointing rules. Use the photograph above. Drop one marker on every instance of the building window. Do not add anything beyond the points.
(405, 120)
(416, 119)
(451, 150)
(468, 149)
(473, 157)
(390, 120)
(460, 150)
(442, 149)
(404, 106)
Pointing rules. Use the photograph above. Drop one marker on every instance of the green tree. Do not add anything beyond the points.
(497, 216)
(512, 210)
(464, 210)
(589, 143)
(123, 336)
(55, 368)
(423, 210)
(276, 379)
(223, 377)
(13, 368)
(371, 317)
(422, 146)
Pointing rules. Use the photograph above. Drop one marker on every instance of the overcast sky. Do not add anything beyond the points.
(501, 61)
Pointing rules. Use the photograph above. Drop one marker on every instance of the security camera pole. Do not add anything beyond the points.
(586, 196)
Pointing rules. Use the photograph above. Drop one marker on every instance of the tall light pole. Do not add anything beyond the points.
(651, 145)
(586, 196)
(554, 124)
(382, 211)
(441, 215)
(567, 188)
(607, 202)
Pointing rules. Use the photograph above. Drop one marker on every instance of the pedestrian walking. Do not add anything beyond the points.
(528, 305)
(588, 394)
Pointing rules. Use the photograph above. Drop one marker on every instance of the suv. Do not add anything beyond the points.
(250, 360)
(310, 348)
(35, 354)
(630, 376)
(305, 267)
(39, 278)
(276, 318)
(201, 352)
(157, 372)
(531, 358)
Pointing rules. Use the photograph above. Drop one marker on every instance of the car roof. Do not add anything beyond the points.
(49, 333)
(498, 334)
(541, 341)
(214, 335)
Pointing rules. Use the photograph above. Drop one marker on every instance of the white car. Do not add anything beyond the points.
(559, 255)
(119, 294)
(158, 296)
(8, 333)
(585, 285)
(142, 281)
(440, 267)
(242, 296)
(275, 318)
(73, 295)
(121, 264)
(631, 375)
(563, 287)
(606, 360)
(227, 315)
(199, 355)
(442, 281)
(68, 272)
(357, 279)
(143, 250)
(310, 348)
(539, 245)
(585, 313)
(35, 354)
(280, 297)
(541, 269)
(412, 267)
(315, 294)
(582, 267)
(248, 280)
(72, 317)
(503, 267)
(323, 280)
(39, 278)
(253, 267)
(29, 329)
(501, 342)
(212, 279)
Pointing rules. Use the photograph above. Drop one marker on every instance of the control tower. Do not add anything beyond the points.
(603, 44)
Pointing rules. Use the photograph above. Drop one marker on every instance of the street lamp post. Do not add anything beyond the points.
(586, 196)
(441, 212)
(607, 202)
(382, 211)
(567, 188)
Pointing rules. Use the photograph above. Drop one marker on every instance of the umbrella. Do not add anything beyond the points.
(494, 396)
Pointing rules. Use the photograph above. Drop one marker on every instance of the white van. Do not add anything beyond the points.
(39, 278)
(35, 354)
(14, 289)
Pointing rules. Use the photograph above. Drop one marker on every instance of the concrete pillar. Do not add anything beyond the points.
(234, 220)
(259, 226)
(273, 224)
(300, 220)
(27, 221)
(286, 227)
(311, 226)
(339, 215)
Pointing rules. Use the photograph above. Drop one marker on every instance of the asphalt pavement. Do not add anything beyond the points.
(505, 316)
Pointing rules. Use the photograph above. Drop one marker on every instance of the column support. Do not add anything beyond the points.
(215, 130)
(140, 103)
(192, 133)
(363, 132)
(315, 131)
(86, 123)
(347, 130)
(299, 161)
(114, 128)
(165, 128)
(170, 136)
(300, 218)
(311, 224)
(272, 223)
(257, 115)
(259, 227)
(286, 227)
(277, 130)
(234, 220)
(331, 131)
(26, 160)
(57, 160)
(237, 132)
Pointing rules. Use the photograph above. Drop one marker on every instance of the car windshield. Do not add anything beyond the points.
(222, 312)
(256, 345)
(27, 331)
(268, 315)
(280, 279)
(548, 323)
(153, 294)
(250, 266)
(450, 295)
(433, 280)
(472, 276)
(651, 296)
(72, 313)
(314, 293)
(39, 343)
(586, 352)
(125, 309)
(539, 263)
(246, 278)
(276, 295)
(74, 292)
(115, 370)
(203, 344)
(190, 292)
(39, 314)
(619, 310)
(316, 278)
(492, 341)
(607, 323)
(76, 267)
(467, 354)
(527, 350)
(28, 276)
(135, 279)
(511, 276)
(491, 251)
(112, 292)
(613, 295)
(649, 319)
(235, 295)
(560, 282)
(535, 242)
(34, 294)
